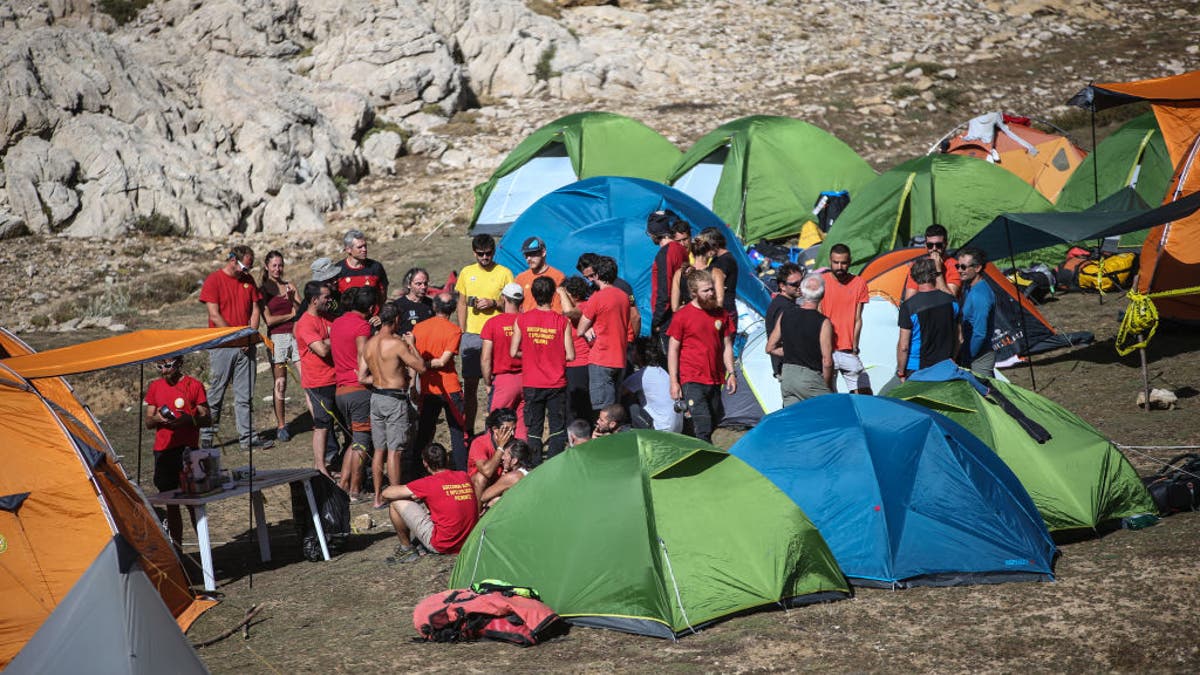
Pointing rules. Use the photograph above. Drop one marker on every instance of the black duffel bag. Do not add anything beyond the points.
(1176, 487)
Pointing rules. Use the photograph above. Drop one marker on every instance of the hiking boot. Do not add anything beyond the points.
(257, 444)
(282, 435)
(402, 555)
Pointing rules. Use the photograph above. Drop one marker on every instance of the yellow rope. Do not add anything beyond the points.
(1141, 318)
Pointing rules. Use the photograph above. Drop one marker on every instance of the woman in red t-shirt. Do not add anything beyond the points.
(280, 307)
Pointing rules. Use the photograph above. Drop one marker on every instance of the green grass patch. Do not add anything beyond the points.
(123, 11)
(904, 91)
(157, 225)
(543, 70)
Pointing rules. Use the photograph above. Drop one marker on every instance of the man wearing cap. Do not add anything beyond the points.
(534, 249)
(358, 270)
(502, 372)
(670, 258)
(478, 288)
(231, 298)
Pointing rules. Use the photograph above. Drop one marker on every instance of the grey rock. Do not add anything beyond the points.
(381, 149)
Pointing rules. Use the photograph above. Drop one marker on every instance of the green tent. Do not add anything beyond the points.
(762, 175)
(1077, 478)
(1133, 155)
(580, 145)
(653, 533)
(962, 193)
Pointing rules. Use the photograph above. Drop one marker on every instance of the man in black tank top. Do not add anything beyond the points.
(803, 339)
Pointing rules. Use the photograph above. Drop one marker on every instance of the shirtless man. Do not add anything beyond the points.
(384, 363)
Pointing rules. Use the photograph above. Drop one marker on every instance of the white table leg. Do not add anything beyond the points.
(260, 520)
(316, 516)
(206, 562)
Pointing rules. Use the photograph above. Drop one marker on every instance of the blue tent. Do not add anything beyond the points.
(607, 216)
(903, 495)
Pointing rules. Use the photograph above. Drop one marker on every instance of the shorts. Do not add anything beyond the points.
(470, 349)
(392, 419)
(285, 349)
(420, 523)
(167, 466)
(799, 383)
(851, 368)
(323, 406)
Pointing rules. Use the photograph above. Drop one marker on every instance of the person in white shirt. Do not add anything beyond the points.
(650, 387)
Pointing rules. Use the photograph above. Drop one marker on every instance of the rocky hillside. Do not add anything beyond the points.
(278, 120)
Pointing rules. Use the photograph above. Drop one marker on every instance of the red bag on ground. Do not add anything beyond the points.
(462, 615)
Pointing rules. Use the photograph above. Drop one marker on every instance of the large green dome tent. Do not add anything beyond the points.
(1077, 478)
(763, 174)
(652, 533)
(961, 193)
(1132, 156)
(580, 145)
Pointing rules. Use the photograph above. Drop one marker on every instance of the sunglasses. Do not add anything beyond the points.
(793, 284)
(962, 267)
(166, 366)
(484, 254)
(941, 245)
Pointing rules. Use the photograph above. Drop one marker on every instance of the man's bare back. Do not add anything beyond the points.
(388, 358)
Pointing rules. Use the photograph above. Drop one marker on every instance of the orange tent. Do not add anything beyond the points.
(64, 498)
(1043, 159)
(1171, 253)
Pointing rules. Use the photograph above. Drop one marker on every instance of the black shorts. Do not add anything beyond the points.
(167, 465)
(323, 406)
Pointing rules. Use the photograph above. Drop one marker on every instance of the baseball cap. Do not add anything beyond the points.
(533, 245)
(513, 291)
(323, 269)
(658, 224)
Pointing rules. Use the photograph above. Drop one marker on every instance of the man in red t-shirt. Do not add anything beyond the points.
(502, 372)
(669, 232)
(437, 340)
(845, 295)
(544, 340)
(948, 278)
(176, 407)
(574, 293)
(231, 298)
(605, 322)
(700, 355)
(498, 434)
(347, 337)
(440, 524)
(316, 366)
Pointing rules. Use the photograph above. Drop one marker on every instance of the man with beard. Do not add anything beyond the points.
(534, 250)
(347, 337)
(700, 355)
(948, 279)
(316, 366)
(978, 314)
(478, 288)
(845, 295)
(414, 306)
(671, 256)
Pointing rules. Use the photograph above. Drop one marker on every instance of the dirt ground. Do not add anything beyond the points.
(1122, 602)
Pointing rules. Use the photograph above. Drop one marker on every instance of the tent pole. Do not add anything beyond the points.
(250, 494)
(1020, 307)
(1145, 374)
(140, 425)
(1096, 187)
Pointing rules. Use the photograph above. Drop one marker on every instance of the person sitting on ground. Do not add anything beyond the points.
(384, 364)
(280, 309)
(612, 420)
(499, 432)
(578, 431)
(516, 461)
(804, 339)
(176, 408)
(448, 512)
(651, 385)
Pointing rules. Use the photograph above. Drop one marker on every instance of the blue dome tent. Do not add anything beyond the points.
(607, 215)
(903, 496)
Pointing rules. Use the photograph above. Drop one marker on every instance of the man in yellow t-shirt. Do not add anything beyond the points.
(478, 289)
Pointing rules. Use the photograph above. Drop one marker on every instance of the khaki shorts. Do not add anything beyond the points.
(420, 524)
(285, 349)
(851, 368)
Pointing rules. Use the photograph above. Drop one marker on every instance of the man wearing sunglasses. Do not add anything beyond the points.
(948, 278)
(789, 275)
(478, 288)
(978, 314)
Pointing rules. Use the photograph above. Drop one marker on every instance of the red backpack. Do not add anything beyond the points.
(462, 615)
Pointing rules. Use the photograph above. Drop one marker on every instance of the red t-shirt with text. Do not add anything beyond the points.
(499, 329)
(452, 507)
(608, 309)
(182, 398)
(344, 346)
(544, 336)
(235, 297)
(701, 334)
(315, 370)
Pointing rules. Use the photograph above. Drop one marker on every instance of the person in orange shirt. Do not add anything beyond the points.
(845, 295)
(437, 339)
(535, 256)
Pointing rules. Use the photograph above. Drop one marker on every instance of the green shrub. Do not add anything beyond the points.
(157, 225)
(123, 11)
(904, 91)
(543, 70)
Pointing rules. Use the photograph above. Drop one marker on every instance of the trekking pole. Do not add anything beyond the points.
(250, 483)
